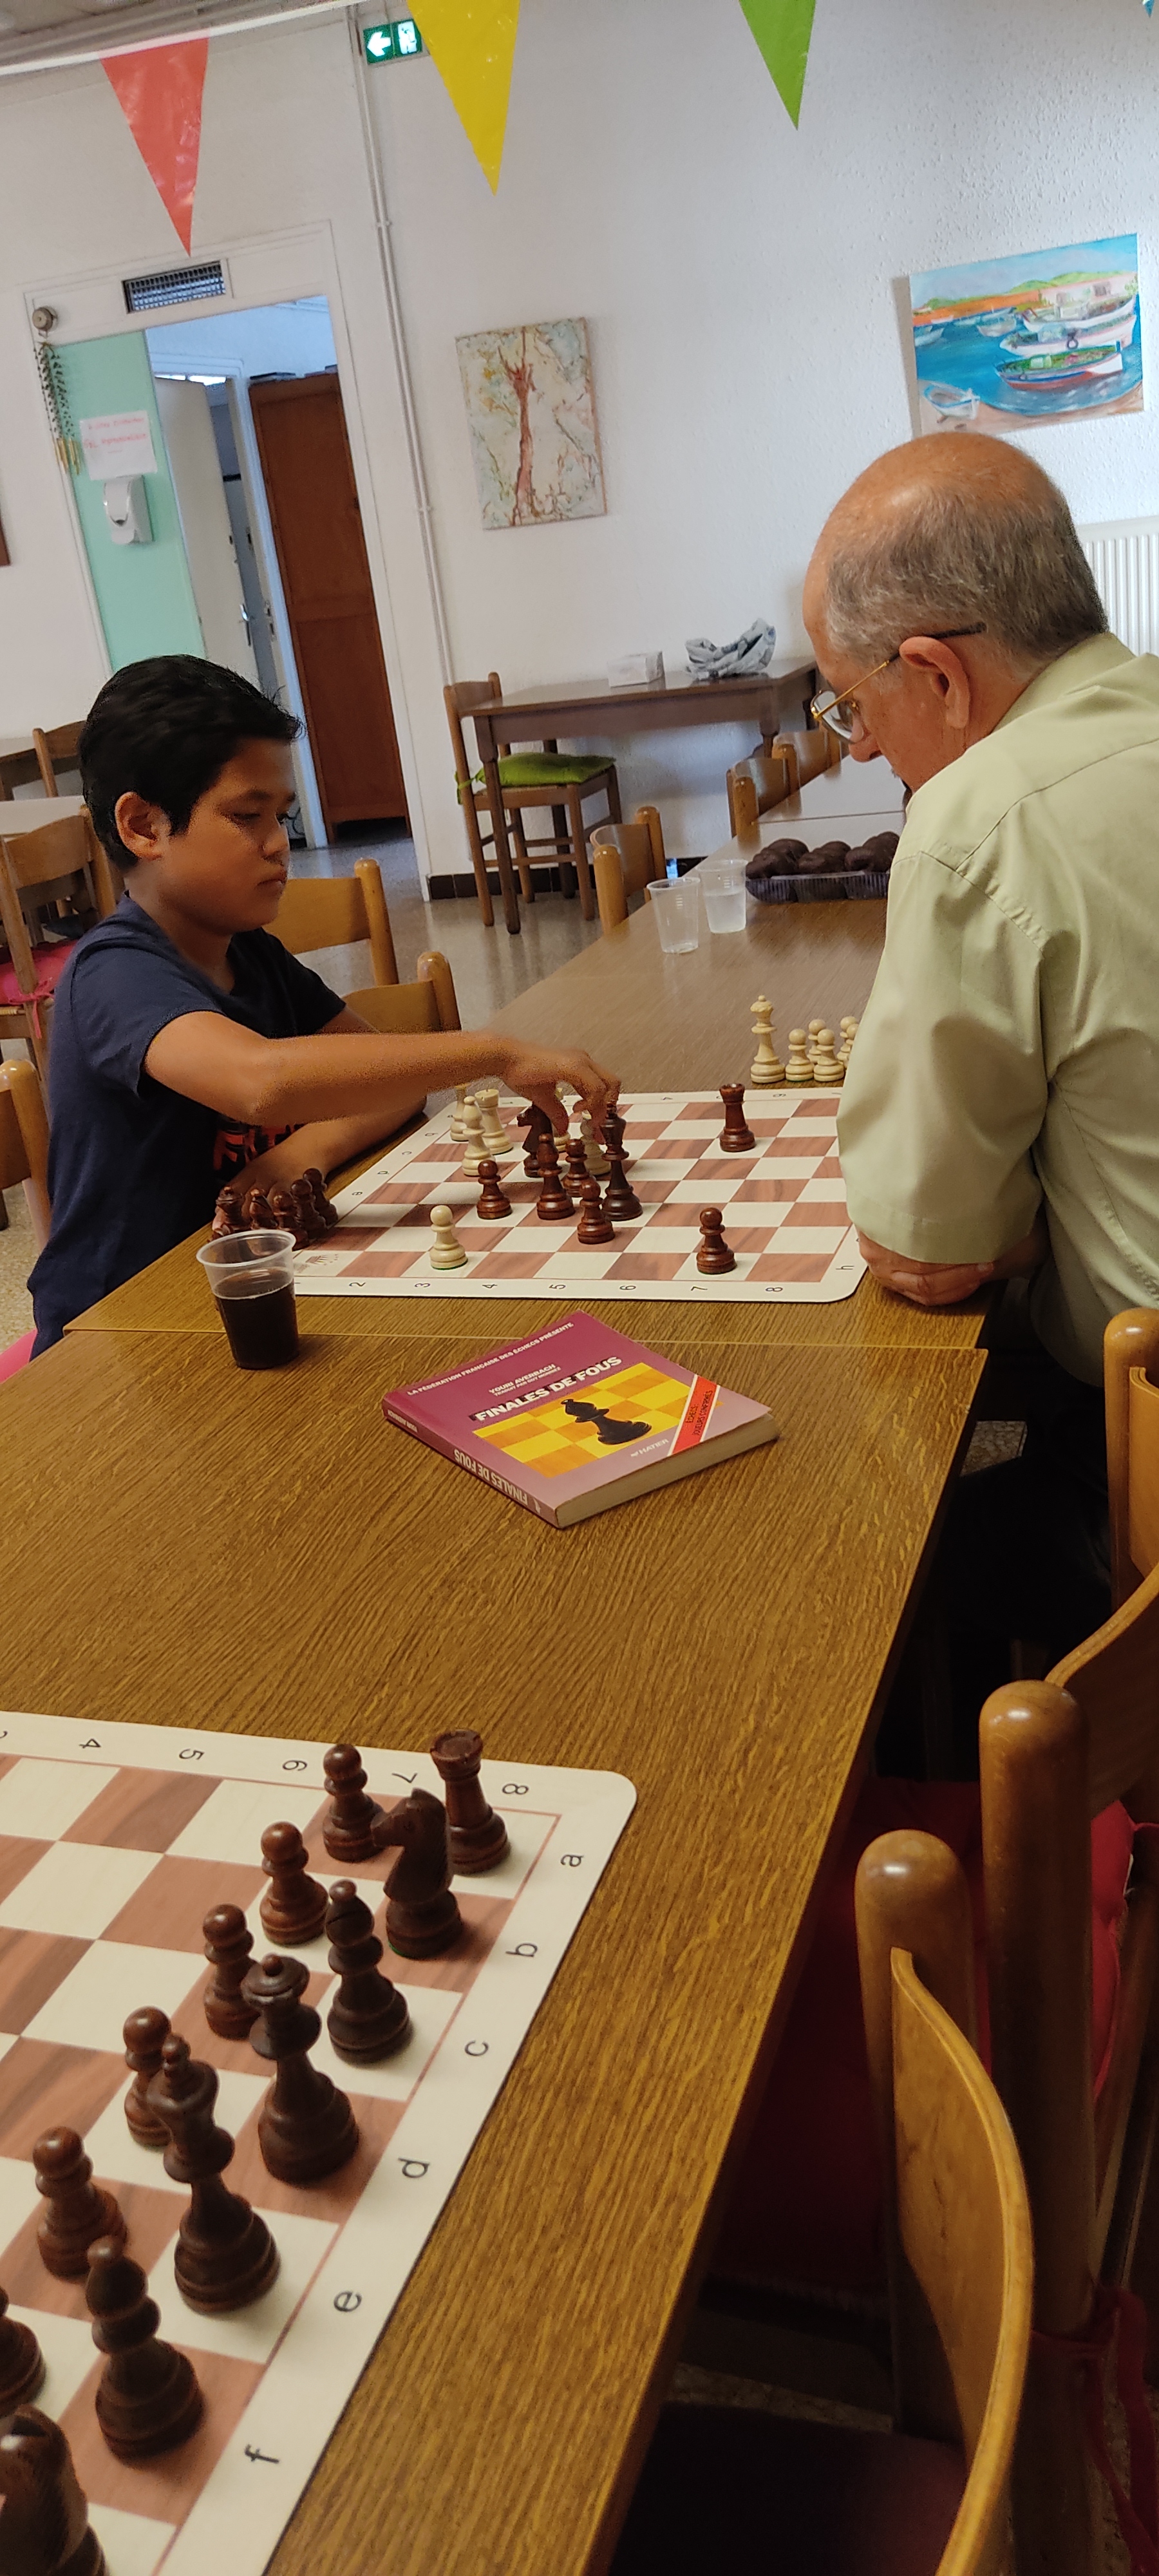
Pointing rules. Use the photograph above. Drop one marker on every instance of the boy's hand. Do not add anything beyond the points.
(535, 1071)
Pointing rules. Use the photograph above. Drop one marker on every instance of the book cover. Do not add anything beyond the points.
(578, 1418)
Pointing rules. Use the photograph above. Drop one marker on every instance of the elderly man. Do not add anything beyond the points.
(1000, 1113)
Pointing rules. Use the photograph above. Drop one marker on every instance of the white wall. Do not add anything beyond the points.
(738, 278)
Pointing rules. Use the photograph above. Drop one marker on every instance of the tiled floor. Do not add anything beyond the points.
(489, 968)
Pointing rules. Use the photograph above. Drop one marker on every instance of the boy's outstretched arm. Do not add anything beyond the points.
(376, 1082)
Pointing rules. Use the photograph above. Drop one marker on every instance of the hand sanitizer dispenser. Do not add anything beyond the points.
(127, 510)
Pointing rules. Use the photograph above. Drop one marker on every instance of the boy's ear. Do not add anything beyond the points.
(143, 827)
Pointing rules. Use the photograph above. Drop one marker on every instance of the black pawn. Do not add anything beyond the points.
(493, 1201)
(78, 2210)
(147, 2397)
(326, 1208)
(713, 1255)
(228, 1943)
(422, 1916)
(354, 1824)
(144, 2035)
(293, 1908)
(43, 2514)
(594, 1226)
(368, 2018)
(553, 1203)
(225, 2256)
(21, 2361)
(306, 2128)
(620, 1200)
(478, 1836)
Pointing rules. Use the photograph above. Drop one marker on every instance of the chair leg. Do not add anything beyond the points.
(507, 885)
(478, 855)
(579, 853)
(567, 875)
(522, 861)
(613, 796)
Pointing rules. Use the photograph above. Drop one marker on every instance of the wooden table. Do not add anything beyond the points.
(858, 787)
(662, 1023)
(261, 1552)
(589, 708)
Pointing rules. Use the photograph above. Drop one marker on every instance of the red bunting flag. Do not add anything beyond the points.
(160, 92)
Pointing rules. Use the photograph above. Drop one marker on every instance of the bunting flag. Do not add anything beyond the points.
(160, 92)
(782, 29)
(473, 44)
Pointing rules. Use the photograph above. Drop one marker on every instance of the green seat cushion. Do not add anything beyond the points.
(545, 769)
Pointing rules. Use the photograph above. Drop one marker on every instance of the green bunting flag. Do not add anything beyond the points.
(782, 29)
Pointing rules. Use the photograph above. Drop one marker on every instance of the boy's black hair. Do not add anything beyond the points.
(164, 729)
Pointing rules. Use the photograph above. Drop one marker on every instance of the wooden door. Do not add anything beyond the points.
(309, 478)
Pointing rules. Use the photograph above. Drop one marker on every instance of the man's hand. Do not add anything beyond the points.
(946, 1283)
(535, 1071)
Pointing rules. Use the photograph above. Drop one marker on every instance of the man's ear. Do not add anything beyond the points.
(143, 827)
(926, 653)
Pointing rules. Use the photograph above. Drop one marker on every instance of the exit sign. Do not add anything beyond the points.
(389, 41)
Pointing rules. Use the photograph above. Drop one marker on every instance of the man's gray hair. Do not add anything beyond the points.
(1008, 561)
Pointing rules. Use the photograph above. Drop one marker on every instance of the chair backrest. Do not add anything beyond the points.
(625, 858)
(63, 858)
(412, 1010)
(19, 769)
(24, 1141)
(959, 2234)
(56, 749)
(459, 697)
(332, 912)
(814, 750)
(1131, 1388)
(756, 785)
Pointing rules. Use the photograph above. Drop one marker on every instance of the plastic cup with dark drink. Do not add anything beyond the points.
(252, 1278)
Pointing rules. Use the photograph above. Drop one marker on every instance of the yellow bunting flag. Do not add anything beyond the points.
(782, 29)
(473, 43)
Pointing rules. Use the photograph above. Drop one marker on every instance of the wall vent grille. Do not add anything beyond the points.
(174, 286)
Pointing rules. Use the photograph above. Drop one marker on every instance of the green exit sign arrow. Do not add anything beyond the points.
(390, 40)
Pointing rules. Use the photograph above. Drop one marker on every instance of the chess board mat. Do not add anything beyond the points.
(783, 1205)
(114, 1842)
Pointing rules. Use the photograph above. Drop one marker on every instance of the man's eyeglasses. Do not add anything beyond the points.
(842, 713)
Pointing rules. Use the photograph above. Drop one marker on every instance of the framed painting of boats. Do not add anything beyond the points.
(1039, 335)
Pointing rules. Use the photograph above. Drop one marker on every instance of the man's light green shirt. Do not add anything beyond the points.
(1009, 1051)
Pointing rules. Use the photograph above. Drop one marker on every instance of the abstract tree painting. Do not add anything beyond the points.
(532, 417)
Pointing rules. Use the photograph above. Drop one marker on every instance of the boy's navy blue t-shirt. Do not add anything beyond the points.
(132, 1166)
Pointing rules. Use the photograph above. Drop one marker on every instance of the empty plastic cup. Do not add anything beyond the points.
(252, 1278)
(723, 881)
(676, 904)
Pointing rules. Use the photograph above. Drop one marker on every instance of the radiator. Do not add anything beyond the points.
(1124, 557)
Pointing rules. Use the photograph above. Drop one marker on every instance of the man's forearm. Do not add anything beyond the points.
(325, 1143)
(947, 1283)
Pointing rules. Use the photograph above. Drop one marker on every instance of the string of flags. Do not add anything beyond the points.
(161, 88)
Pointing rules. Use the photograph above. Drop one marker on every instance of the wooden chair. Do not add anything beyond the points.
(1131, 1344)
(61, 860)
(730, 2489)
(754, 785)
(56, 749)
(561, 781)
(18, 769)
(625, 858)
(24, 1142)
(411, 1010)
(333, 912)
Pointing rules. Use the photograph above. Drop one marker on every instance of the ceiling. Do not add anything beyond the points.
(35, 34)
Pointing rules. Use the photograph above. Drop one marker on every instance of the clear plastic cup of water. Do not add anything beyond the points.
(723, 881)
(676, 904)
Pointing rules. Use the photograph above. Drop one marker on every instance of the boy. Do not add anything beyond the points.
(186, 1042)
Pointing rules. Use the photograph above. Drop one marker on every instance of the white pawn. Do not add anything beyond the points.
(814, 1034)
(827, 1068)
(446, 1252)
(849, 1029)
(766, 1067)
(474, 1149)
(458, 1131)
(597, 1158)
(496, 1140)
(800, 1065)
